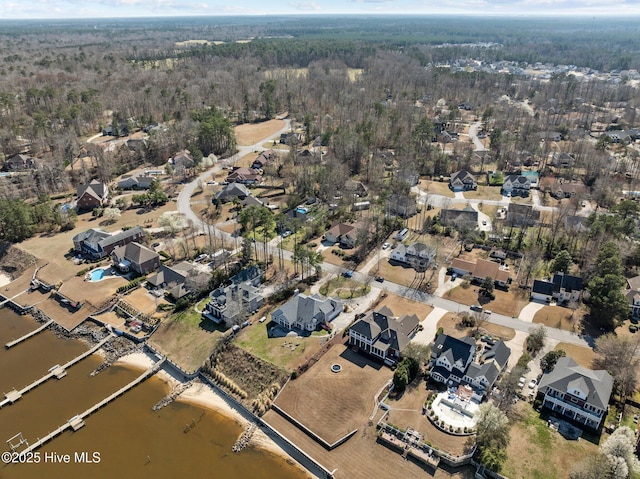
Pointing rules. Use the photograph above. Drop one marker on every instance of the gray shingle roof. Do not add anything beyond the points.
(567, 374)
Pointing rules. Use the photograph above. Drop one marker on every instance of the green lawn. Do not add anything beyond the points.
(284, 352)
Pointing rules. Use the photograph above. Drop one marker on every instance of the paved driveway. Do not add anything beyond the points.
(429, 324)
(529, 311)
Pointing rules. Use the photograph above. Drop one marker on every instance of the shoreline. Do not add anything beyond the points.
(200, 394)
(5, 279)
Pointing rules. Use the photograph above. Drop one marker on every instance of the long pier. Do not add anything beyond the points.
(5, 301)
(11, 344)
(77, 422)
(56, 371)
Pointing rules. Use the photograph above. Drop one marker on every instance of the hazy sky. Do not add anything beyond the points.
(147, 8)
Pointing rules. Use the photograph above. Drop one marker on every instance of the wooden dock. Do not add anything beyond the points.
(56, 371)
(76, 422)
(11, 344)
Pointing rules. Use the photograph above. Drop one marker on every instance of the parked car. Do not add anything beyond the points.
(484, 222)
(379, 279)
(476, 307)
(532, 383)
(521, 381)
(286, 233)
(385, 246)
(453, 277)
(347, 274)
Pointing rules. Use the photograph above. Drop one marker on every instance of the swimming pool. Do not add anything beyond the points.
(97, 274)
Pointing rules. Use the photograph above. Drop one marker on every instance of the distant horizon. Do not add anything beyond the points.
(135, 9)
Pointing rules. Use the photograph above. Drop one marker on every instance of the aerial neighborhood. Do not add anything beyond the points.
(442, 276)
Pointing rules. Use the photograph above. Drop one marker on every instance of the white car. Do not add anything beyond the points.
(521, 381)
(385, 246)
(484, 222)
(532, 383)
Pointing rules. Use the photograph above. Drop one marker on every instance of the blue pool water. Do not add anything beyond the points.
(97, 274)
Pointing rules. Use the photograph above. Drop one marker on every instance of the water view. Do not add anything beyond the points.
(126, 435)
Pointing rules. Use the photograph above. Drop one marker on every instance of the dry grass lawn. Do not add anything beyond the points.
(186, 339)
(436, 188)
(450, 323)
(400, 306)
(508, 303)
(536, 451)
(334, 404)
(251, 133)
(583, 356)
(406, 412)
(484, 193)
(559, 317)
(398, 274)
(146, 303)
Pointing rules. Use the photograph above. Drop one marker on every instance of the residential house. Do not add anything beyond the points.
(137, 144)
(246, 176)
(307, 312)
(95, 243)
(399, 254)
(619, 136)
(465, 105)
(20, 162)
(562, 160)
(179, 280)
(420, 255)
(550, 136)
(452, 363)
(408, 175)
(231, 191)
(577, 393)
(560, 188)
(138, 181)
(533, 176)
(576, 224)
(480, 270)
(493, 361)
(344, 234)
(356, 188)
(450, 358)
(404, 206)
(290, 138)
(462, 181)
(135, 257)
(233, 304)
(382, 335)
(182, 160)
(92, 195)
(562, 287)
(522, 215)
(516, 185)
(633, 296)
(466, 218)
(265, 158)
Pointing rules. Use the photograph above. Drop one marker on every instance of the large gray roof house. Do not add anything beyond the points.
(307, 312)
(382, 335)
(578, 393)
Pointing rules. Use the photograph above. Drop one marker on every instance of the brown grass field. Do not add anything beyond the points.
(450, 324)
(336, 408)
(436, 188)
(583, 356)
(400, 306)
(559, 317)
(484, 193)
(509, 303)
(334, 404)
(251, 133)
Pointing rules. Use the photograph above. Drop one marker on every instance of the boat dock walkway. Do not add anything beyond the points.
(56, 371)
(76, 422)
(11, 344)
(5, 301)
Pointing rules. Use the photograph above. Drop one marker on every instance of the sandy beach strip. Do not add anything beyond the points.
(4, 279)
(202, 395)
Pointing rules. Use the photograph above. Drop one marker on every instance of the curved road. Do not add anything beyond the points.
(184, 206)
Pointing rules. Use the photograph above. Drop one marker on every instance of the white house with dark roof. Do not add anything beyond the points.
(562, 287)
(516, 185)
(462, 181)
(452, 363)
(577, 393)
(380, 334)
(307, 312)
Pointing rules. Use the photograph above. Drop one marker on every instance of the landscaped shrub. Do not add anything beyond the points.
(131, 284)
(439, 331)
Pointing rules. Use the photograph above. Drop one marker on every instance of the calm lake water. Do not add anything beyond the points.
(131, 439)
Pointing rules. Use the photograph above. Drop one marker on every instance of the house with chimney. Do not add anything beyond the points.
(92, 195)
